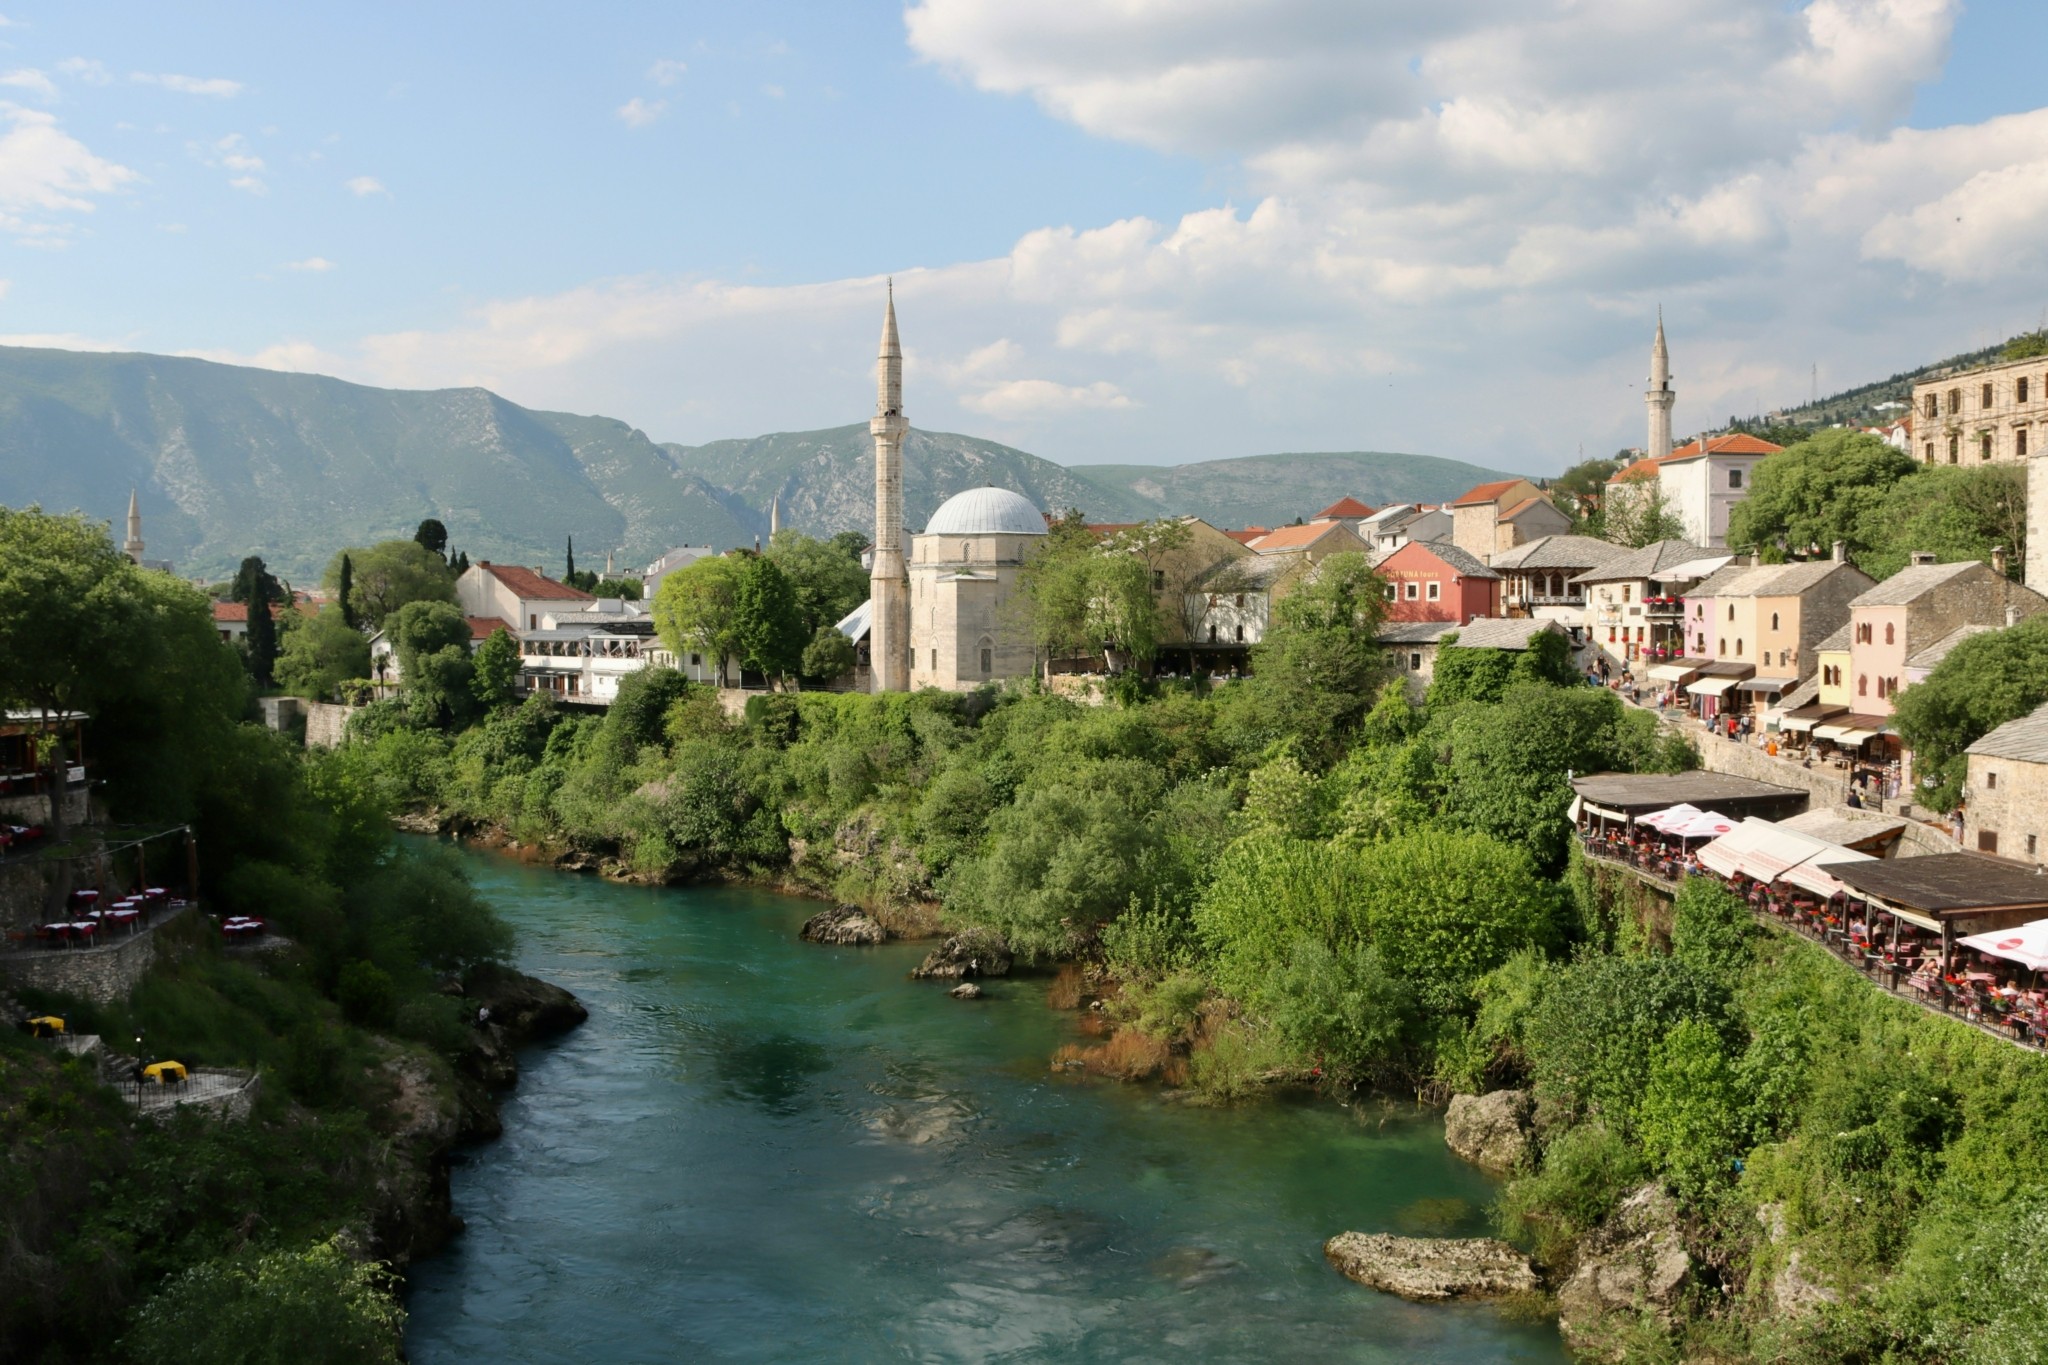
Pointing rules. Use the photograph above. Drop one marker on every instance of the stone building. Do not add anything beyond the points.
(1477, 516)
(2006, 798)
(513, 594)
(1991, 415)
(1915, 608)
(1634, 609)
(1540, 578)
(963, 627)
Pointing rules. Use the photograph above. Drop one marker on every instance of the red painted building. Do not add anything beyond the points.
(1436, 581)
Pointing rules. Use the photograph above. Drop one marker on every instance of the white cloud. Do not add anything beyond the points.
(318, 265)
(638, 113)
(217, 87)
(234, 155)
(1456, 222)
(45, 174)
(773, 92)
(364, 185)
(31, 80)
(667, 71)
(85, 70)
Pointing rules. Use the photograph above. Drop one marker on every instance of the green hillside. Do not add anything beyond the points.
(1270, 490)
(234, 461)
(826, 480)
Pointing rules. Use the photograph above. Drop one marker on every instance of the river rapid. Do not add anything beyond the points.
(759, 1149)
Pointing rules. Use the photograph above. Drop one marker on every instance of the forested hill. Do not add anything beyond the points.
(232, 461)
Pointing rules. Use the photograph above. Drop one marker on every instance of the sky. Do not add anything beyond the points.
(1130, 231)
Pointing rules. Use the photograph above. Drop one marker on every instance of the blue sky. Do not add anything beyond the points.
(1274, 224)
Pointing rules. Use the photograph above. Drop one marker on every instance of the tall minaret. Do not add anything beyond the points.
(888, 583)
(774, 517)
(1660, 396)
(132, 547)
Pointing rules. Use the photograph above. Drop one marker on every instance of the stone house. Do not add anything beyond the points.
(2006, 796)
(1311, 542)
(1411, 647)
(1774, 618)
(1989, 415)
(1392, 527)
(1348, 510)
(1438, 582)
(1700, 483)
(1920, 604)
(231, 621)
(1539, 579)
(1634, 613)
(1476, 516)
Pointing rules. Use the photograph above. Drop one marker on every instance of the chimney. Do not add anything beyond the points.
(2012, 615)
(1998, 560)
(1838, 553)
(1922, 557)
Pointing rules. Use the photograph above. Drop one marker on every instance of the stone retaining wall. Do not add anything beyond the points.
(96, 974)
(1827, 786)
(325, 724)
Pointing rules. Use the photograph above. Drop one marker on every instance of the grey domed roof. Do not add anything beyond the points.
(986, 511)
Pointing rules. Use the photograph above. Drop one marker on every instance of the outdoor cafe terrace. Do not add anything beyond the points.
(1960, 933)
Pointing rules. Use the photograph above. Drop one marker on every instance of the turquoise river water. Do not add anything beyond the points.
(765, 1150)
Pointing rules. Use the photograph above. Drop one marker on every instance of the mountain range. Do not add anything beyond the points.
(232, 461)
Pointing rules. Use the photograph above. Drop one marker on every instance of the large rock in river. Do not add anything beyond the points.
(971, 952)
(1432, 1269)
(1491, 1131)
(1633, 1265)
(848, 924)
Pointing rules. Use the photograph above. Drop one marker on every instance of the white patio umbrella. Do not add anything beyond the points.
(2026, 945)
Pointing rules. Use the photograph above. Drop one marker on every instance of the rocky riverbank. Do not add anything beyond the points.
(438, 1106)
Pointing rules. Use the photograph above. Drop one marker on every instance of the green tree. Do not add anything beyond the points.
(1055, 591)
(432, 643)
(768, 625)
(1711, 929)
(829, 655)
(1807, 496)
(345, 590)
(1691, 1114)
(68, 620)
(1637, 513)
(389, 574)
(255, 588)
(317, 1306)
(569, 561)
(1597, 1025)
(1486, 674)
(496, 665)
(1984, 682)
(433, 536)
(2026, 346)
(625, 589)
(321, 651)
(828, 581)
(1320, 663)
(1954, 512)
(1580, 491)
(697, 609)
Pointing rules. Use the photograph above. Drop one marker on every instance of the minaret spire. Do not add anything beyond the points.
(888, 581)
(774, 516)
(132, 547)
(1660, 396)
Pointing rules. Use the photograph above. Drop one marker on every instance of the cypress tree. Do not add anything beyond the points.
(348, 588)
(569, 575)
(255, 589)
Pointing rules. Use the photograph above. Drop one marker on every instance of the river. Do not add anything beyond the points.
(765, 1150)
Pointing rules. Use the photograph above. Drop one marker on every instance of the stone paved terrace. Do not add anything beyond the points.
(103, 972)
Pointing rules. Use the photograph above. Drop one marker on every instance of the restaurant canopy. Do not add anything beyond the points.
(1630, 796)
(1979, 892)
(2026, 945)
(1770, 853)
(1663, 820)
(1679, 671)
(1710, 687)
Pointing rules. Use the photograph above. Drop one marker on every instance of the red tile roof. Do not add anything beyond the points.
(1248, 534)
(484, 627)
(529, 586)
(225, 612)
(1343, 507)
(1524, 505)
(1486, 492)
(1644, 468)
(1737, 443)
(1293, 537)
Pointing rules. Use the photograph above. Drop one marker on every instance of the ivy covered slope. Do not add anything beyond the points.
(199, 1240)
(1307, 876)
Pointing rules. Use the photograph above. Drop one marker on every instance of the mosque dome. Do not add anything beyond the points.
(986, 511)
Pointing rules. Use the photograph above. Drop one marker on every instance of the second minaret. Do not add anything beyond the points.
(888, 580)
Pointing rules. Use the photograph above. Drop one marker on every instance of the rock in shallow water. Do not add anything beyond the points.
(1491, 1131)
(846, 924)
(971, 952)
(1430, 1269)
(966, 990)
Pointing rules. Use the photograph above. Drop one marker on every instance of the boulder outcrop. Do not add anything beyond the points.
(971, 952)
(1634, 1264)
(1492, 1131)
(966, 990)
(844, 924)
(1432, 1269)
